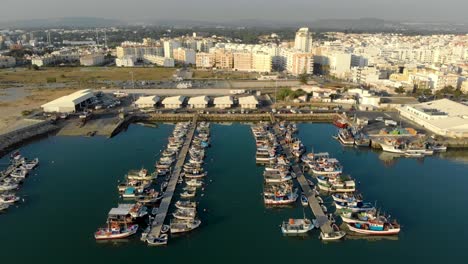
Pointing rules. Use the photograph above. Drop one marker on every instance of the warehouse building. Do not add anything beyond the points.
(173, 102)
(223, 102)
(199, 102)
(70, 103)
(248, 102)
(443, 117)
(147, 101)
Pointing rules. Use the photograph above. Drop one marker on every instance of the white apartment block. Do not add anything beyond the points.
(159, 60)
(184, 56)
(205, 60)
(303, 40)
(96, 59)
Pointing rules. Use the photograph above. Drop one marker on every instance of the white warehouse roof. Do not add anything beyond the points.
(223, 100)
(198, 100)
(147, 100)
(70, 100)
(174, 100)
(248, 100)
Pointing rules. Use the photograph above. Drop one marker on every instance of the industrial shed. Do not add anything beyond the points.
(248, 102)
(199, 102)
(147, 101)
(69, 103)
(173, 102)
(223, 102)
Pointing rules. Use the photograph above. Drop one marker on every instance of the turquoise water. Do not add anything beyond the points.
(75, 186)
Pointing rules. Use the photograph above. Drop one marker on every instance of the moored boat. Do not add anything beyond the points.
(375, 230)
(297, 226)
(115, 231)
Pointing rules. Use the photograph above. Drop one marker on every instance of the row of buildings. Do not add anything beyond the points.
(295, 58)
(198, 102)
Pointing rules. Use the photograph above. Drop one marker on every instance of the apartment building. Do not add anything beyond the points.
(205, 60)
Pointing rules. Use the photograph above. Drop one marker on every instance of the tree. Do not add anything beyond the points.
(303, 78)
(399, 90)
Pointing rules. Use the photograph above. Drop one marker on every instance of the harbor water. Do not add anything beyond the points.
(69, 195)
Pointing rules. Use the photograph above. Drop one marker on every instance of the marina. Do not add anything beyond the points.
(222, 220)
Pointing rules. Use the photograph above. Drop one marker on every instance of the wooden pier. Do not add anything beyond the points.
(322, 218)
(166, 201)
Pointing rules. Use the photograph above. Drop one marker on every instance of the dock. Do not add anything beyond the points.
(166, 201)
(322, 218)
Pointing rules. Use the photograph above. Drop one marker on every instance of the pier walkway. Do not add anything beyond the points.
(166, 201)
(322, 219)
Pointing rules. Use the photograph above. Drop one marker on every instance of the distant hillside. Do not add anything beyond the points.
(73, 22)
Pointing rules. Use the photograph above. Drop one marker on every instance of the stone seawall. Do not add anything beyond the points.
(17, 137)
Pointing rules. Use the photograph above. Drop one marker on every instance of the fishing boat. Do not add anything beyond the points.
(29, 165)
(194, 183)
(376, 230)
(355, 207)
(141, 175)
(157, 241)
(304, 200)
(186, 205)
(195, 176)
(185, 214)
(297, 226)
(8, 199)
(130, 192)
(337, 234)
(340, 123)
(115, 231)
(345, 137)
(188, 194)
(349, 216)
(181, 226)
(8, 186)
(340, 186)
(19, 173)
(280, 199)
(346, 198)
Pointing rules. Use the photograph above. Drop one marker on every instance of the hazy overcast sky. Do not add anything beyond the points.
(221, 10)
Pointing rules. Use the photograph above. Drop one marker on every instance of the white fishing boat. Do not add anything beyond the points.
(280, 199)
(355, 207)
(337, 234)
(8, 199)
(195, 176)
(141, 175)
(29, 165)
(181, 226)
(115, 231)
(339, 186)
(188, 194)
(346, 198)
(375, 230)
(19, 173)
(194, 183)
(297, 226)
(185, 214)
(186, 205)
(8, 186)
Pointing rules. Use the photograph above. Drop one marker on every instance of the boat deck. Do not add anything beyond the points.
(322, 219)
(166, 201)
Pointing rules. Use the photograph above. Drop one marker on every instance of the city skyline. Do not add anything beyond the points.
(261, 10)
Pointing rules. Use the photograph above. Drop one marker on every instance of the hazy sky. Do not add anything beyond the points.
(222, 10)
